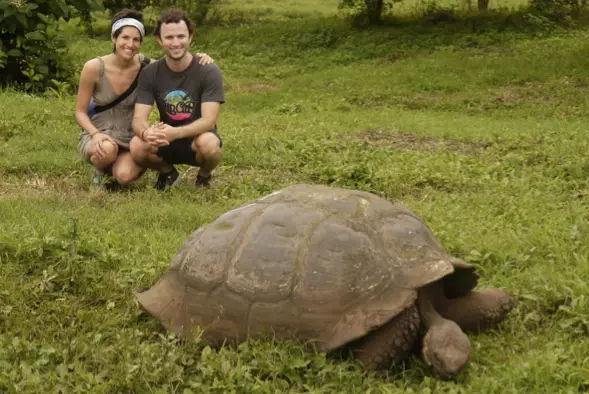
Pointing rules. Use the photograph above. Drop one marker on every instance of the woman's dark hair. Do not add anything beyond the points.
(173, 15)
(125, 13)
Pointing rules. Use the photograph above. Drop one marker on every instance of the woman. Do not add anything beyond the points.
(106, 98)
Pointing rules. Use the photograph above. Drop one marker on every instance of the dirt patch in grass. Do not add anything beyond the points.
(565, 96)
(391, 58)
(31, 185)
(519, 94)
(408, 141)
(557, 90)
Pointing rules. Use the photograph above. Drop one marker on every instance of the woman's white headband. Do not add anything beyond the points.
(128, 22)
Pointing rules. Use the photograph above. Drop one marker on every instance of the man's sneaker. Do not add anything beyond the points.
(168, 179)
(202, 181)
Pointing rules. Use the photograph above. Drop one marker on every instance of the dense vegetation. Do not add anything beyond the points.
(478, 125)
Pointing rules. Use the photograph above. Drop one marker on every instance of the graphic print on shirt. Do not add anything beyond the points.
(179, 104)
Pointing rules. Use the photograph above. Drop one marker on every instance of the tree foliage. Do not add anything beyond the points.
(32, 52)
(559, 9)
(117, 5)
(371, 10)
(198, 10)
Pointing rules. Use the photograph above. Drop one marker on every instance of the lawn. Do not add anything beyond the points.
(478, 129)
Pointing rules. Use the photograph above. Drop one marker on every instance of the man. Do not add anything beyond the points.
(188, 97)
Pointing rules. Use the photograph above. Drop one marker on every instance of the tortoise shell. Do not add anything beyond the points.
(308, 262)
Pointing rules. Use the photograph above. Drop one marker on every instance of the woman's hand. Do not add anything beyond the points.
(98, 140)
(205, 59)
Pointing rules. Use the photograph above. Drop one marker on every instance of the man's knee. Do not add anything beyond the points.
(138, 148)
(207, 145)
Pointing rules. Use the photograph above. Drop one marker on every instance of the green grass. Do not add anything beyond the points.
(482, 132)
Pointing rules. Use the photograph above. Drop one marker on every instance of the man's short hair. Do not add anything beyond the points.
(173, 15)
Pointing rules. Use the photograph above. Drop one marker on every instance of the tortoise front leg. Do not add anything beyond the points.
(390, 344)
(445, 346)
(477, 310)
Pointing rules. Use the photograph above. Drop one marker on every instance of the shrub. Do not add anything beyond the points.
(559, 10)
(197, 10)
(371, 10)
(32, 51)
(117, 5)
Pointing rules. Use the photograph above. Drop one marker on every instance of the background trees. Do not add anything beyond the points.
(33, 54)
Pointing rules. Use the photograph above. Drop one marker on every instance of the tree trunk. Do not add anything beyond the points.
(483, 5)
(374, 9)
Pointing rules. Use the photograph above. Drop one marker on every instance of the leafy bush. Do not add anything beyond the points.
(117, 5)
(371, 10)
(198, 10)
(559, 9)
(32, 52)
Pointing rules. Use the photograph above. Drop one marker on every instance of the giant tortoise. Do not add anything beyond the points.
(331, 266)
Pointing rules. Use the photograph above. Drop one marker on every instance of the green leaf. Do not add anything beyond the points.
(43, 69)
(35, 35)
(22, 19)
(9, 12)
(43, 17)
(299, 363)
(14, 53)
(64, 9)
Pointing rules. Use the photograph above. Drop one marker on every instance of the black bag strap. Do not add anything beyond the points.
(126, 93)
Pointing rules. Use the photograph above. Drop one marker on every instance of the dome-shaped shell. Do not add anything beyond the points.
(308, 262)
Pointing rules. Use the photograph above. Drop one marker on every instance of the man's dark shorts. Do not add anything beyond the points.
(180, 151)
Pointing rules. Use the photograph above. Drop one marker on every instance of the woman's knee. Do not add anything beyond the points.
(125, 176)
(126, 170)
(110, 150)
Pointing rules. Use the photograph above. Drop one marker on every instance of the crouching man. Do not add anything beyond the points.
(188, 97)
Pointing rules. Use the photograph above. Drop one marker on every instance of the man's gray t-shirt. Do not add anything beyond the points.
(178, 95)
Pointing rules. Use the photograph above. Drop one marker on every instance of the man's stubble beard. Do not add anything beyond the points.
(179, 57)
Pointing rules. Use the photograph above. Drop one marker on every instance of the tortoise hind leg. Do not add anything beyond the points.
(477, 310)
(392, 343)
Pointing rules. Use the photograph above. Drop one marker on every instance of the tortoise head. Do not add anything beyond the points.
(446, 348)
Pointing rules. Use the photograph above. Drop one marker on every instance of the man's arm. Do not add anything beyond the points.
(153, 134)
(144, 103)
(209, 111)
(141, 119)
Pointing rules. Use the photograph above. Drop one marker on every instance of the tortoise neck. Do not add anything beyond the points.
(429, 297)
